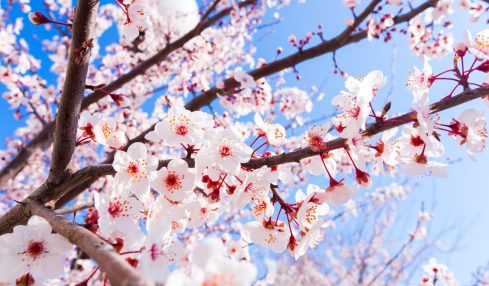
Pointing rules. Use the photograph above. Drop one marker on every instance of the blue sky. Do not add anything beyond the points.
(459, 201)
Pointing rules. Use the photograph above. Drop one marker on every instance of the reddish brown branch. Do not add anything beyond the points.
(43, 138)
(302, 153)
(73, 89)
(75, 208)
(118, 270)
(43, 194)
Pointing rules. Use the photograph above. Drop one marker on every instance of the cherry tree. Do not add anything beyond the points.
(97, 187)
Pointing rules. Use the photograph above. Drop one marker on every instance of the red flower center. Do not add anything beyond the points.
(181, 130)
(115, 209)
(132, 169)
(417, 141)
(225, 151)
(35, 249)
(172, 180)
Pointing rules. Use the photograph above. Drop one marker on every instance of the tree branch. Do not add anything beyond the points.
(73, 89)
(43, 138)
(75, 208)
(81, 178)
(117, 269)
(302, 153)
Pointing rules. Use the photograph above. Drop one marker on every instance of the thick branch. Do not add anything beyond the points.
(43, 138)
(80, 179)
(73, 89)
(118, 270)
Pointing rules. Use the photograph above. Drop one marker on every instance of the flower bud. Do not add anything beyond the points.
(461, 49)
(363, 179)
(37, 18)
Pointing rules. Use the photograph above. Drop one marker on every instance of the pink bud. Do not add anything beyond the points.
(349, 22)
(37, 18)
(363, 178)
(461, 49)
(292, 39)
(484, 67)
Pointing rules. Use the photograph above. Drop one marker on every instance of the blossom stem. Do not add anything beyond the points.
(445, 78)
(222, 181)
(424, 148)
(256, 139)
(471, 69)
(278, 215)
(131, 252)
(373, 112)
(444, 72)
(89, 277)
(452, 131)
(451, 93)
(60, 23)
(463, 66)
(290, 228)
(239, 180)
(476, 84)
(326, 168)
(264, 143)
(351, 159)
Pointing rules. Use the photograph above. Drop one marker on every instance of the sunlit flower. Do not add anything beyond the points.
(135, 168)
(33, 249)
(174, 181)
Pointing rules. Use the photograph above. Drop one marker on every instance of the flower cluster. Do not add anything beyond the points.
(176, 177)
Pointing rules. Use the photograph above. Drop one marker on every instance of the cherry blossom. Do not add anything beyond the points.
(480, 46)
(312, 238)
(470, 129)
(213, 267)
(168, 217)
(181, 16)
(32, 249)
(190, 78)
(294, 102)
(135, 168)
(174, 181)
(246, 80)
(437, 272)
(226, 149)
(316, 137)
(310, 209)
(105, 131)
(159, 253)
(38, 18)
(419, 80)
(182, 127)
(351, 3)
(136, 19)
(274, 133)
(336, 194)
(118, 215)
(354, 103)
(267, 233)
